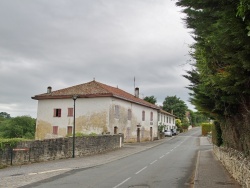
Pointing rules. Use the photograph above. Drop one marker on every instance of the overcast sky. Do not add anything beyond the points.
(61, 43)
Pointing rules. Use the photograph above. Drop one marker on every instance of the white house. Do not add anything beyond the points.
(99, 108)
(167, 119)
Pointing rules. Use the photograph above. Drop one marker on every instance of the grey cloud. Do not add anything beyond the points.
(67, 42)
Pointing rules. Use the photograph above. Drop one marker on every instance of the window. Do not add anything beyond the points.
(55, 130)
(57, 112)
(151, 116)
(117, 111)
(129, 114)
(143, 115)
(167, 119)
(164, 118)
(70, 112)
(69, 131)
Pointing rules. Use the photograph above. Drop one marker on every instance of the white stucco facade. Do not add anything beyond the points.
(100, 115)
(166, 119)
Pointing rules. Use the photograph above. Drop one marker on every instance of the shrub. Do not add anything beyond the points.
(206, 128)
(12, 142)
(217, 134)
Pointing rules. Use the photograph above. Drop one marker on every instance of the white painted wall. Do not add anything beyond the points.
(167, 120)
(88, 107)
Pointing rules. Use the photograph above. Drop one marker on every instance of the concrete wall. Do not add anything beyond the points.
(60, 148)
(237, 165)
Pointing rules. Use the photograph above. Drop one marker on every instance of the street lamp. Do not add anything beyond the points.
(74, 124)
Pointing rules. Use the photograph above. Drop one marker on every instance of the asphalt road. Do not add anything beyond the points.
(171, 164)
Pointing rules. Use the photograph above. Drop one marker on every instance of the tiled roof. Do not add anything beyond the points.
(91, 90)
(167, 113)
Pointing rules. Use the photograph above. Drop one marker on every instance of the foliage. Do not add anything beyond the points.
(18, 127)
(178, 123)
(177, 105)
(220, 78)
(79, 134)
(196, 118)
(206, 128)
(217, 134)
(161, 127)
(185, 124)
(10, 142)
(4, 115)
(150, 99)
(220, 81)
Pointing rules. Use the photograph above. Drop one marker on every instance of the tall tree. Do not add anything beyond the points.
(4, 115)
(177, 105)
(220, 81)
(150, 99)
(220, 78)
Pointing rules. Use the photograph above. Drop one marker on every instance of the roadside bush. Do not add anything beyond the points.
(12, 142)
(206, 128)
(217, 134)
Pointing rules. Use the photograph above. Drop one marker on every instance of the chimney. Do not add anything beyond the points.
(172, 112)
(137, 92)
(49, 89)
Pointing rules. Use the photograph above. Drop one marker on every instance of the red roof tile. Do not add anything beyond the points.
(91, 90)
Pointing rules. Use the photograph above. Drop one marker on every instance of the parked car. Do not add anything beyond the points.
(168, 133)
(174, 131)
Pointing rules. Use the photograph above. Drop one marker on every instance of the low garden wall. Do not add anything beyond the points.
(237, 165)
(60, 148)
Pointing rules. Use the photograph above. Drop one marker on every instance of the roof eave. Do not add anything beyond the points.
(37, 97)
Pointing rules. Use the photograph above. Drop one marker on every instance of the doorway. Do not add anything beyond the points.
(138, 135)
(115, 130)
(151, 133)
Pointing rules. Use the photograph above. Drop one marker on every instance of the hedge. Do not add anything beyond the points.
(206, 128)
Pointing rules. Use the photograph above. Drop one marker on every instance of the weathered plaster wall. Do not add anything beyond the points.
(60, 148)
(91, 116)
(95, 115)
(237, 165)
(129, 127)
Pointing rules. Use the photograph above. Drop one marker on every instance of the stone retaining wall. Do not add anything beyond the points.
(237, 165)
(60, 148)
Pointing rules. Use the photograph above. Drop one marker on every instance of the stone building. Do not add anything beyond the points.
(99, 109)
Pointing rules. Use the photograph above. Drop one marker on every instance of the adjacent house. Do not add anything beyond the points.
(167, 119)
(99, 109)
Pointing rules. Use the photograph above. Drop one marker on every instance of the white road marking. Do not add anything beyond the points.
(167, 153)
(122, 182)
(162, 156)
(153, 162)
(44, 172)
(141, 170)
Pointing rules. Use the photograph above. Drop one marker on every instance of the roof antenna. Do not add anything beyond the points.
(134, 82)
(94, 79)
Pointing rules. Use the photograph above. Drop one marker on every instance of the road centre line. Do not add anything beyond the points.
(153, 162)
(162, 156)
(122, 182)
(167, 153)
(141, 170)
